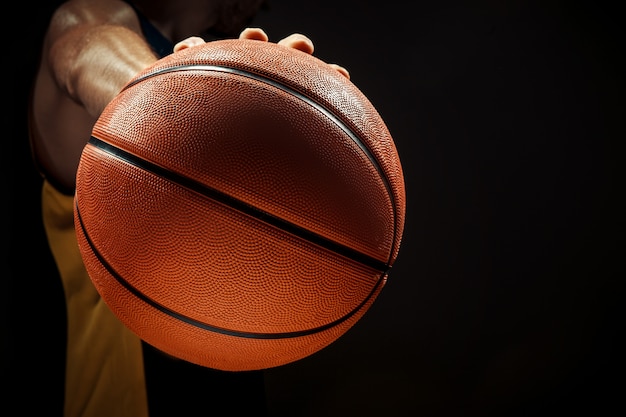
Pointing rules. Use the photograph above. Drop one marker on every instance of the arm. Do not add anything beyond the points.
(92, 49)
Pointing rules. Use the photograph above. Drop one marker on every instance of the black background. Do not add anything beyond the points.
(509, 119)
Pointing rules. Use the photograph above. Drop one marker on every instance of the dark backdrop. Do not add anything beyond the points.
(509, 119)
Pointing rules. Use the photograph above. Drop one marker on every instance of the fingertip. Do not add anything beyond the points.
(189, 42)
(256, 34)
(298, 41)
(341, 70)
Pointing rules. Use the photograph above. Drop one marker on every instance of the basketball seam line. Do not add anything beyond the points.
(336, 119)
(171, 313)
(240, 206)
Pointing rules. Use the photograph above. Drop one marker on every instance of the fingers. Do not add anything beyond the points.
(255, 34)
(341, 70)
(187, 43)
(249, 33)
(304, 44)
(299, 42)
(295, 40)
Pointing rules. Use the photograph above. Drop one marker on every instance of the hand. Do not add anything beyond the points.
(295, 40)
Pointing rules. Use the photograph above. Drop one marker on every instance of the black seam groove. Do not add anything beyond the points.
(280, 86)
(337, 120)
(204, 326)
(240, 206)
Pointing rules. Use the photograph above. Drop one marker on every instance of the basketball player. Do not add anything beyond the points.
(90, 50)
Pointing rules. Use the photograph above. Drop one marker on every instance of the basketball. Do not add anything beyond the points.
(239, 205)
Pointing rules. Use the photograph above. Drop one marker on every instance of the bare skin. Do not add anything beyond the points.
(94, 47)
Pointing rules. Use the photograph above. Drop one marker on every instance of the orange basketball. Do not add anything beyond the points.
(239, 205)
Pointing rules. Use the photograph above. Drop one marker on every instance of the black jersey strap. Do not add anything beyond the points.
(159, 43)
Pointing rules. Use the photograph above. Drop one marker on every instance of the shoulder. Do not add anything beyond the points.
(74, 13)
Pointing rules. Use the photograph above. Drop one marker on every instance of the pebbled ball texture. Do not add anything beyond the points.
(239, 205)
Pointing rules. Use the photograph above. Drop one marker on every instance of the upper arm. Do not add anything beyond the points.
(92, 48)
